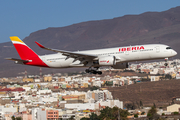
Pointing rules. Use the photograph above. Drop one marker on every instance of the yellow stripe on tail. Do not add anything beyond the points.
(16, 39)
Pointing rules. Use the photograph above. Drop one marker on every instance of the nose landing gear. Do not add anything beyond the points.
(166, 62)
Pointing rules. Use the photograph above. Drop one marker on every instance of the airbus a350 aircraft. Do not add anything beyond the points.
(117, 58)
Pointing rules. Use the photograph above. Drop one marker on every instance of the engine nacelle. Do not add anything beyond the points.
(121, 66)
(107, 61)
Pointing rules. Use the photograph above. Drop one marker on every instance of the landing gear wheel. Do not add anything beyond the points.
(93, 71)
(166, 64)
(87, 71)
(99, 72)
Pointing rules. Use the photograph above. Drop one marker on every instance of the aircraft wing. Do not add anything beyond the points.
(76, 55)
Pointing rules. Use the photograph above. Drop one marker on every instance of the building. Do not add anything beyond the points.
(52, 114)
(48, 78)
(27, 117)
(173, 108)
(155, 78)
(74, 97)
(38, 114)
(80, 106)
(28, 80)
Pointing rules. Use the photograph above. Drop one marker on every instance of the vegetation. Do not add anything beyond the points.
(141, 104)
(109, 114)
(94, 88)
(145, 79)
(17, 118)
(152, 114)
(131, 106)
(136, 115)
(154, 105)
(108, 83)
(168, 76)
(176, 113)
(142, 113)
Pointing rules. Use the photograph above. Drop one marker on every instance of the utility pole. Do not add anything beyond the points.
(40, 74)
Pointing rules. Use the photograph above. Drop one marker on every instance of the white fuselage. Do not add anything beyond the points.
(122, 54)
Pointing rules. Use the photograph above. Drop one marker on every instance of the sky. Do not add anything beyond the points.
(22, 17)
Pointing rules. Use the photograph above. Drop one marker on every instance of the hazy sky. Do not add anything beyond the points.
(22, 17)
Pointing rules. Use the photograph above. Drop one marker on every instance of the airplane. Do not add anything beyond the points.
(117, 58)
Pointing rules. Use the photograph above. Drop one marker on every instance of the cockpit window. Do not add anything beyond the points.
(168, 48)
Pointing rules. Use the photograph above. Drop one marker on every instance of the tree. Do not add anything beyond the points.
(136, 115)
(13, 118)
(84, 118)
(142, 113)
(112, 114)
(152, 110)
(133, 106)
(141, 104)
(152, 113)
(137, 103)
(168, 76)
(18, 118)
(154, 105)
(105, 113)
(94, 88)
(93, 116)
(124, 114)
(130, 106)
(176, 113)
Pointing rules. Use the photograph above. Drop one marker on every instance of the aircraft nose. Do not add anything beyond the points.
(174, 52)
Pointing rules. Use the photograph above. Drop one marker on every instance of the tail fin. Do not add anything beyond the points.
(26, 53)
(23, 50)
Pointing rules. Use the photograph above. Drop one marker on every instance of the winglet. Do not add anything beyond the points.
(41, 46)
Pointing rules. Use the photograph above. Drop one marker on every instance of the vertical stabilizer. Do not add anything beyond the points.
(23, 50)
(26, 53)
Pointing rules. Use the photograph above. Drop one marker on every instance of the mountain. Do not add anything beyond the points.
(150, 27)
(160, 92)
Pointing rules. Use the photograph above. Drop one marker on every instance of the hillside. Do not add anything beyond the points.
(160, 93)
(150, 27)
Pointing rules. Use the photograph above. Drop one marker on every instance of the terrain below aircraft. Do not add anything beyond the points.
(117, 57)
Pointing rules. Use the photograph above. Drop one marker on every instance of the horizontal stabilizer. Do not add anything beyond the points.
(19, 60)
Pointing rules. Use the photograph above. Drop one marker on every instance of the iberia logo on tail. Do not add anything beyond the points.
(108, 61)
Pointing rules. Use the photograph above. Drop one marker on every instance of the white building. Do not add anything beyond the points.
(173, 108)
(38, 114)
(112, 103)
(8, 109)
(80, 106)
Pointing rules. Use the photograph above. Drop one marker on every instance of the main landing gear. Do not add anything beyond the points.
(91, 71)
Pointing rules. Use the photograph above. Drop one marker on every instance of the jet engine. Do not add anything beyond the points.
(107, 61)
(121, 66)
